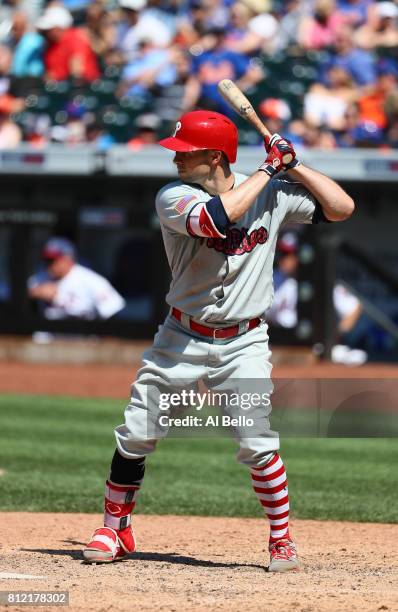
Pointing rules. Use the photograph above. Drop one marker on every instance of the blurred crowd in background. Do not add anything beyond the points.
(322, 72)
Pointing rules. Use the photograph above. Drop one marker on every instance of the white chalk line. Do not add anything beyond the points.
(12, 576)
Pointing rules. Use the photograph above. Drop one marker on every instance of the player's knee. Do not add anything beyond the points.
(253, 457)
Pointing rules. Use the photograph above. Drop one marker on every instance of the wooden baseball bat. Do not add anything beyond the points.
(238, 101)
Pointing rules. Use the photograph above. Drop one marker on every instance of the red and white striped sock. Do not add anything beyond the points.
(270, 485)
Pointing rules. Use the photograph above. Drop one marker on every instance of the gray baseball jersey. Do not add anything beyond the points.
(215, 280)
(227, 279)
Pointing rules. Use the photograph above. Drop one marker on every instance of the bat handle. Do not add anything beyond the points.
(260, 127)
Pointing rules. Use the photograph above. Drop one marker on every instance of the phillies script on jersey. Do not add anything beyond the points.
(238, 241)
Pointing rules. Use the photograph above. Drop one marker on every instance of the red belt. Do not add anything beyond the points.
(218, 332)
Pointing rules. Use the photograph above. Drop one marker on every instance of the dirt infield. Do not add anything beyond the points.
(101, 380)
(194, 563)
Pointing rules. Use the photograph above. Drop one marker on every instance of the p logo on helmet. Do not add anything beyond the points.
(178, 127)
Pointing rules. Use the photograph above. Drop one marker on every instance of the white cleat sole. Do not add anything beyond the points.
(284, 566)
(97, 556)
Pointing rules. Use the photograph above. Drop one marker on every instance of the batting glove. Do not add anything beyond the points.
(281, 155)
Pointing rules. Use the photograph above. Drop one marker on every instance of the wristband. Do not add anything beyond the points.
(293, 164)
(268, 169)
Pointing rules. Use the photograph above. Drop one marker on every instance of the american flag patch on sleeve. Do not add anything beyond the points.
(183, 203)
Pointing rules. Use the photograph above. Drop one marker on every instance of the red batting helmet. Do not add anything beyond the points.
(200, 130)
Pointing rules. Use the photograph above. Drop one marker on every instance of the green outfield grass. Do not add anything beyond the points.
(55, 453)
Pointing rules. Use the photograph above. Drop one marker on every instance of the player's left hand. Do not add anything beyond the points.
(281, 152)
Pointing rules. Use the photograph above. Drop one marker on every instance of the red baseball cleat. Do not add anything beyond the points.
(283, 555)
(107, 545)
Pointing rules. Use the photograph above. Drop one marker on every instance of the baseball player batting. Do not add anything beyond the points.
(220, 230)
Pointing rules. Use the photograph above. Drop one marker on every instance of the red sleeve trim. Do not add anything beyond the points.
(200, 223)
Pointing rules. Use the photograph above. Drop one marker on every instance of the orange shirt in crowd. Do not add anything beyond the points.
(371, 108)
(73, 46)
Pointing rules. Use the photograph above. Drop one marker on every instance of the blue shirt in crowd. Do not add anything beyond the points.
(152, 60)
(358, 63)
(28, 56)
(213, 66)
